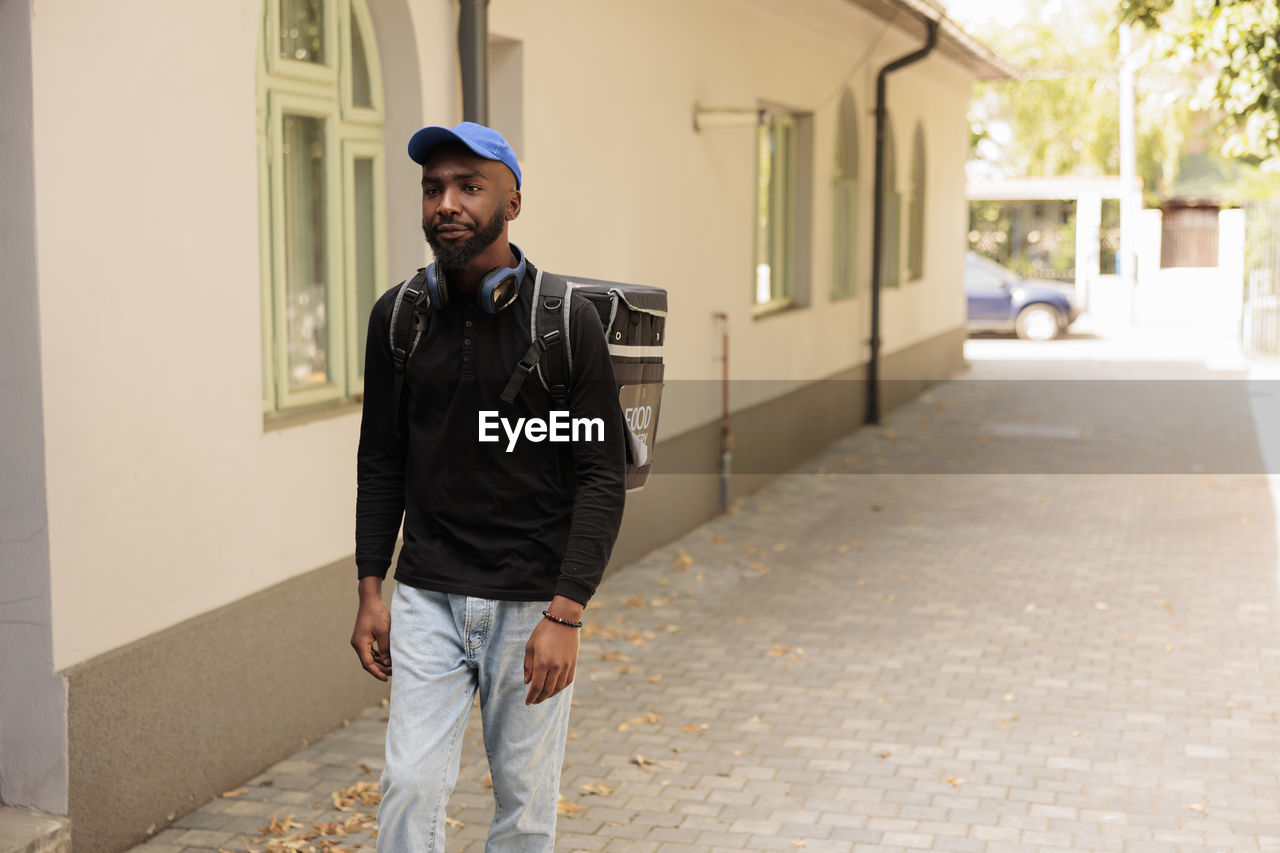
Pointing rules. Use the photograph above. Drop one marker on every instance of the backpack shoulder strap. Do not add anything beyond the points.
(549, 335)
(408, 319)
(551, 320)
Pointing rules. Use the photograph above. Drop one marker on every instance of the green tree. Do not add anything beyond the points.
(1240, 41)
(1062, 117)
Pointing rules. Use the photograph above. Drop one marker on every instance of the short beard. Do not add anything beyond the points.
(457, 257)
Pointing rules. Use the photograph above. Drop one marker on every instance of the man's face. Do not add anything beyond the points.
(466, 203)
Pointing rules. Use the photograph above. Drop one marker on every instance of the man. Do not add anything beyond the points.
(504, 542)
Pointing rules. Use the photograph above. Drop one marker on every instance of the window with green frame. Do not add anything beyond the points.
(915, 224)
(775, 210)
(844, 192)
(321, 199)
(891, 237)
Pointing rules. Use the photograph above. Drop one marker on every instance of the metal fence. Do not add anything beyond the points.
(1261, 327)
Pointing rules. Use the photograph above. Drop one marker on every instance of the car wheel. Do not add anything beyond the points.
(1038, 322)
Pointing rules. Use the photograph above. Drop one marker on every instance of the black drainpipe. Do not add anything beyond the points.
(877, 234)
(473, 56)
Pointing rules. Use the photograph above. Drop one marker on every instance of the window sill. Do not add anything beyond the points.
(773, 309)
(298, 417)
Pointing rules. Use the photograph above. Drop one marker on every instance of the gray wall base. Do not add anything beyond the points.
(163, 725)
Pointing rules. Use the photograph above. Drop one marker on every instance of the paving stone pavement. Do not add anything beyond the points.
(1052, 658)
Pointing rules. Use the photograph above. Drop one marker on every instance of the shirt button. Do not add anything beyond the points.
(468, 324)
(466, 359)
(466, 342)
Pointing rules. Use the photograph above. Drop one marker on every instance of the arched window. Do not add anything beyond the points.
(915, 225)
(844, 190)
(891, 239)
(321, 199)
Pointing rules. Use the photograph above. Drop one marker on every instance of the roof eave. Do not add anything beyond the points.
(953, 42)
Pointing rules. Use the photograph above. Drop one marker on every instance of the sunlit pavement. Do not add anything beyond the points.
(1020, 615)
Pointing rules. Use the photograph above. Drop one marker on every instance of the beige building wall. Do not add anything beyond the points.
(167, 496)
(619, 185)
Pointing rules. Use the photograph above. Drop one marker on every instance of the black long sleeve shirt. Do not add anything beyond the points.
(523, 524)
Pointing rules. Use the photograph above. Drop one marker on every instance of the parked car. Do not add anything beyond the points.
(999, 301)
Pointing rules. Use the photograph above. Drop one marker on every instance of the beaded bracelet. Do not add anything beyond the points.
(560, 621)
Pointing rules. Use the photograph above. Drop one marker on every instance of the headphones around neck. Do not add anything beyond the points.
(498, 289)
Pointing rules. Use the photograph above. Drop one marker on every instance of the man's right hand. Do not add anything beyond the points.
(372, 635)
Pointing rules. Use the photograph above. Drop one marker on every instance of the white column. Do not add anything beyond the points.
(1231, 262)
(1088, 221)
(1130, 199)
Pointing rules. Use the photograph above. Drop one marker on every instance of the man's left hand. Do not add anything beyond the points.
(551, 655)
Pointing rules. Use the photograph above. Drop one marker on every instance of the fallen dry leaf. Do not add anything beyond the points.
(643, 763)
(955, 781)
(799, 842)
(613, 654)
(695, 728)
(649, 717)
(567, 808)
(235, 792)
(598, 789)
(655, 678)
(717, 538)
(361, 793)
(453, 823)
(778, 651)
(634, 601)
(279, 827)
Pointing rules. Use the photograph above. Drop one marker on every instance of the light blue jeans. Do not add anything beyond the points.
(443, 649)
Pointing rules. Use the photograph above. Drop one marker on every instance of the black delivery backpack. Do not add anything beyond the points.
(633, 317)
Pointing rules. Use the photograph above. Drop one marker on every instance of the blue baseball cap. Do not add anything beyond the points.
(484, 141)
